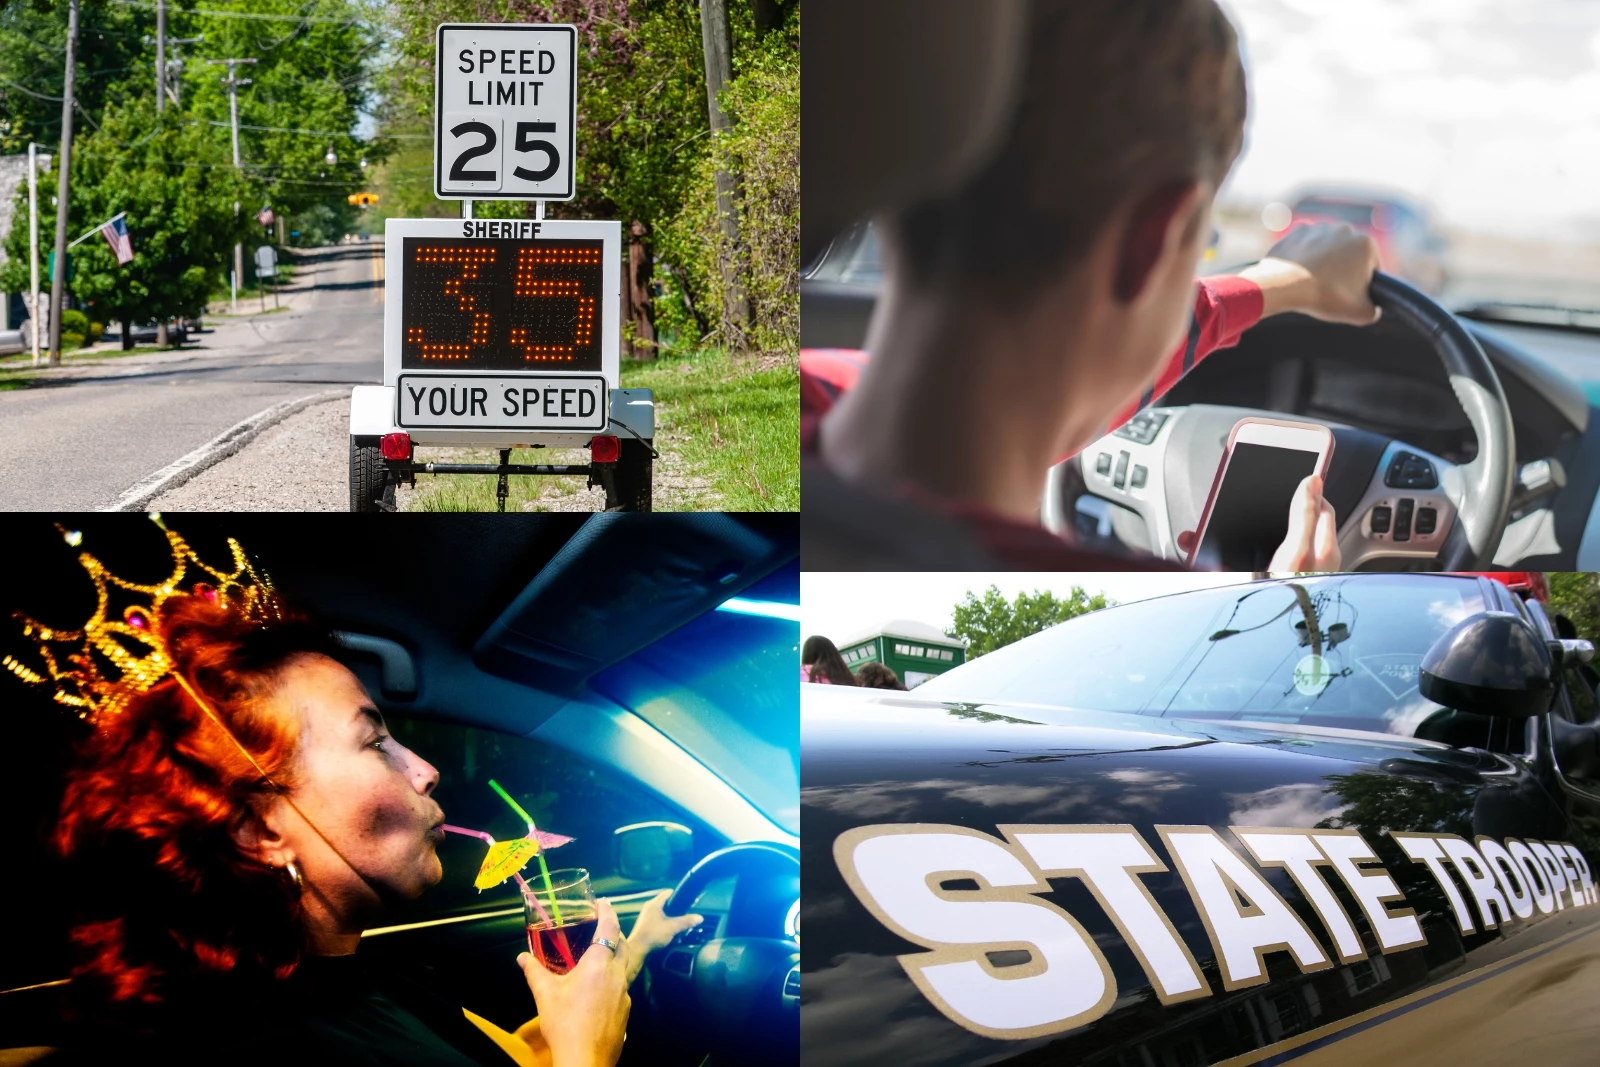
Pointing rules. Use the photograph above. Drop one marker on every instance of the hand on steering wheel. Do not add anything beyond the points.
(1323, 270)
(653, 929)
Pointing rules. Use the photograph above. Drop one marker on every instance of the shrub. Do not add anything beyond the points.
(762, 150)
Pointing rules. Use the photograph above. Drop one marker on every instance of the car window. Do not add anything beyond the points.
(564, 793)
(1342, 651)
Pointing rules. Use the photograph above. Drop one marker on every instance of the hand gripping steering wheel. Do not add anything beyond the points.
(740, 993)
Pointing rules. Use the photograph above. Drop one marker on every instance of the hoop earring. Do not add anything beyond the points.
(294, 876)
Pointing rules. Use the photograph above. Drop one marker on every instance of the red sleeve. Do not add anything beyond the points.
(1224, 307)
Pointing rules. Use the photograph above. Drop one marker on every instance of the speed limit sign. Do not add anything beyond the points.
(505, 112)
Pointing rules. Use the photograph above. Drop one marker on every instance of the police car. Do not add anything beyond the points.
(1348, 818)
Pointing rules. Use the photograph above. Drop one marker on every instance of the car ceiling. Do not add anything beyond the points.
(507, 617)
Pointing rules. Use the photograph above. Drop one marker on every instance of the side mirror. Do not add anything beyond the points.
(652, 852)
(1571, 652)
(1492, 663)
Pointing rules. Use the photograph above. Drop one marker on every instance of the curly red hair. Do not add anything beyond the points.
(170, 902)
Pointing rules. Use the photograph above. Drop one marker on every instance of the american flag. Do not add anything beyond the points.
(116, 234)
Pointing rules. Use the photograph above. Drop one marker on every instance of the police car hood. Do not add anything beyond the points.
(884, 720)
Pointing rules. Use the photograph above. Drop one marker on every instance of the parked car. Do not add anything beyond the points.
(1353, 814)
(145, 332)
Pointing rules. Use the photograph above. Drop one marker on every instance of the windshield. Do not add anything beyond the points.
(1341, 651)
(1480, 133)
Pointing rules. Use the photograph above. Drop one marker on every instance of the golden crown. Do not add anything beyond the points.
(130, 643)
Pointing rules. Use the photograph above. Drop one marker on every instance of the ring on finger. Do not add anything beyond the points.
(606, 942)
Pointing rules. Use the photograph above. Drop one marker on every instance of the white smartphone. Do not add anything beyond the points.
(1246, 517)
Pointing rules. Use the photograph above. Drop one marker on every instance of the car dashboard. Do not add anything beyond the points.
(1375, 385)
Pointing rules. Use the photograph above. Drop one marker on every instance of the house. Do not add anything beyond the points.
(913, 650)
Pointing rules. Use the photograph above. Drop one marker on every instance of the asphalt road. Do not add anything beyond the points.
(86, 433)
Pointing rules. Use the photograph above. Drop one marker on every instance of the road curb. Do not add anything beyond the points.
(219, 448)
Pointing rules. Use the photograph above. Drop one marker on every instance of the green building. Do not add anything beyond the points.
(913, 650)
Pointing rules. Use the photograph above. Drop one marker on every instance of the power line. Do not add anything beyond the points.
(250, 15)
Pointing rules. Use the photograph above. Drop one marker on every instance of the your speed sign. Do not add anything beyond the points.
(506, 110)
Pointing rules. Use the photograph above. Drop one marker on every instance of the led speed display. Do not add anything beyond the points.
(501, 305)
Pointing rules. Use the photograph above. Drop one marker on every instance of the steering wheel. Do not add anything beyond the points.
(1394, 501)
(734, 980)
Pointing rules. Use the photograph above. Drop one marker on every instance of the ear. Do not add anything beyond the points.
(256, 832)
(1162, 223)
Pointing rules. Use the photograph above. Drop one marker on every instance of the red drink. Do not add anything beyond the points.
(561, 947)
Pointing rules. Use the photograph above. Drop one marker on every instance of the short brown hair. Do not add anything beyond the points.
(1116, 97)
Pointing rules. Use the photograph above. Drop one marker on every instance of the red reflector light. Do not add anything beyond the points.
(604, 449)
(396, 446)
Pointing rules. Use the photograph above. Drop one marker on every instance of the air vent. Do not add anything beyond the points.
(680, 963)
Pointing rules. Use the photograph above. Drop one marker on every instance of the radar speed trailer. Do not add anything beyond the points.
(502, 333)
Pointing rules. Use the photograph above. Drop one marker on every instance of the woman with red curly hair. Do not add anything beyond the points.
(230, 866)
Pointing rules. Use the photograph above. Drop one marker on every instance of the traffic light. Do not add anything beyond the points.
(363, 199)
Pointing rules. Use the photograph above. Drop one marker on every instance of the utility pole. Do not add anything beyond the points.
(161, 55)
(233, 84)
(173, 71)
(59, 274)
(714, 39)
(33, 245)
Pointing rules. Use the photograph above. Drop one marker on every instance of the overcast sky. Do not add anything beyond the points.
(1487, 109)
(839, 606)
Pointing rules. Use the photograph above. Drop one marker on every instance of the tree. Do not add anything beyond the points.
(993, 622)
(311, 82)
(177, 188)
(643, 137)
(1577, 596)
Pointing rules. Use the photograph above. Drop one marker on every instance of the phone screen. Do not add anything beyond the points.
(1250, 516)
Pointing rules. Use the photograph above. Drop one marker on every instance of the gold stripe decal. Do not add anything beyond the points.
(967, 897)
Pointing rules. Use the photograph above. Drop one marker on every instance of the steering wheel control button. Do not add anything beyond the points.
(1143, 428)
(1427, 521)
(1102, 463)
(1402, 519)
(1410, 471)
(1380, 518)
(1120, 478)
(1141, 475)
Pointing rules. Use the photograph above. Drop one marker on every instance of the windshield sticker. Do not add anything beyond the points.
(1397, 672)
(1061, 981)
(1312, 675)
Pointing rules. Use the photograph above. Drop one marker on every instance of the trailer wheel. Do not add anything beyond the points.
(369, 490)
(631, 480)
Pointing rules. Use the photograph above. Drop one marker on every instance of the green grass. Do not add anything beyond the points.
(727, 428)
(732, 421)
(15, 381)
(25, 359)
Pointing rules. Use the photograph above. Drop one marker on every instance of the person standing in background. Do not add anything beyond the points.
(820, 662)
(879, 676)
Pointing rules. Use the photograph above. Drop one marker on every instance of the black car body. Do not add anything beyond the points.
(1182, 832)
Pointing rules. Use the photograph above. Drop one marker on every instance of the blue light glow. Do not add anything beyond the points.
(771, 609)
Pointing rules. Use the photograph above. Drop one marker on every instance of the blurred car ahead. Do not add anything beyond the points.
(1408, 245)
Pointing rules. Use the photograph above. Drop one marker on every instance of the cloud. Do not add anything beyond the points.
(1300, 804)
